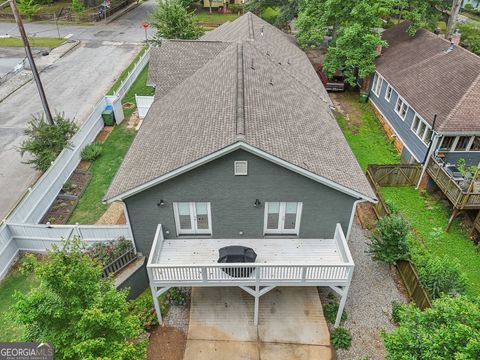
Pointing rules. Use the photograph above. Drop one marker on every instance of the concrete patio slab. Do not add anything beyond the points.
(291, 325)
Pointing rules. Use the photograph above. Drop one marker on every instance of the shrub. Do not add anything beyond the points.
(440, 276)
(341, 338)
(28, 8)
(330, 310)
(396, 308)
(107, 251)
(470, 36)
(389, 242)
(143, 308)
(450, 329)
(81, 314)
(91, 151)
(45, 141)
(28, 263)
(176, 296)
(236, 8)
(77, 7)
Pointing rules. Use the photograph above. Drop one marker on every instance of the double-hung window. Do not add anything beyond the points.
(282, 218)
(193, 218)
(401, 108)
(377, 84)
(422, 129)
(388, 93)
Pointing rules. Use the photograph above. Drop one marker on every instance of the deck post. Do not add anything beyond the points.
(257, 301)
(156, 304)
(342, 305)
(450, 220)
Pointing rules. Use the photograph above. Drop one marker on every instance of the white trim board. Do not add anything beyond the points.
(251, 149)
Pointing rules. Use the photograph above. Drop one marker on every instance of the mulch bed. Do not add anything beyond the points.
(166, 343)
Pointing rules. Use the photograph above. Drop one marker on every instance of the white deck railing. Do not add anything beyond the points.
(235, 274)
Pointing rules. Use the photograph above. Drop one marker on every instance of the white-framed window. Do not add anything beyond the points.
(282, 217)
(193, 218)
(462, 143)
(447, 143)
(401, 108)
(475, 146)
(422, 129)
(377, 84)
(240, 168)
(388, 93)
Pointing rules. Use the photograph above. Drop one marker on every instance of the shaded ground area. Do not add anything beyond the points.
(374, 287)
(291, 325)
(166, 343)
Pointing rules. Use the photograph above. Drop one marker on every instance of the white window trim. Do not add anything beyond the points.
(235, 168)
(193, 218)
(455, 143)
(471, 143)
(377, 84)
(427, 126)
(281, 220)
(389, 87)
(399, 98)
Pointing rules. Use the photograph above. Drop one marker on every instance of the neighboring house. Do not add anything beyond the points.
(217, 4)
(240, 147)
(423, 76)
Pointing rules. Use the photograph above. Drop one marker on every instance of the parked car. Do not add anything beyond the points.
(334, 83)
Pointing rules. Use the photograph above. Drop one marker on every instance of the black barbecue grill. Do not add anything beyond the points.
(237, 254)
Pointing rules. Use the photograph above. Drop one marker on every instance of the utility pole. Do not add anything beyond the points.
(452, 20)
(28, 51)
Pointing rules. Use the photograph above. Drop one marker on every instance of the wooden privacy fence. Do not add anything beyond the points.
(395, 174)
(411, 281)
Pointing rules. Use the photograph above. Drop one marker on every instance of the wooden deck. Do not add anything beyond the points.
(460, 199)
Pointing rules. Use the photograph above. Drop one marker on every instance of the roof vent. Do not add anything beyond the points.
(262, 28)
(271, 81)
(450, 48)
(268, 53)
(289, 62)
(252, 65)
(240, 168)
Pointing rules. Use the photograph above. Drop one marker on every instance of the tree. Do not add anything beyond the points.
(470, 36)
(77, 7)
(448, 330)
(83, 315)
(173, 21)
(45, 141)
(389, 243)
(28, 8)
(288, 9)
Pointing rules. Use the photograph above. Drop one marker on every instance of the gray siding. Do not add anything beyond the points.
(471, 158)
(232, 198)
(402, 127)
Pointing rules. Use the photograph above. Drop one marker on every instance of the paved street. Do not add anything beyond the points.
(73, 85)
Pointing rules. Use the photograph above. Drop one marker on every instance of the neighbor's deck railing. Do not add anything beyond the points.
(248, 274)
(459, 198)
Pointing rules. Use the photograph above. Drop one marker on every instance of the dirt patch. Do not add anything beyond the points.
(114, 215)
(347, 105)
(166, 343)
(84, 165)
(133, 121)
(103, 135)
(316, 56)
(366, 216)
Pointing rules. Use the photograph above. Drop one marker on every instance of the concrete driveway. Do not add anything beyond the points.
(291, 325)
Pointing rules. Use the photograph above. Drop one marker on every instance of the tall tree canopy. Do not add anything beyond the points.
(354, 26)
(173, 21)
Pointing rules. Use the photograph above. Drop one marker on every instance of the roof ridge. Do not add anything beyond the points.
(251, 33)
(460, 102)
(240, 105)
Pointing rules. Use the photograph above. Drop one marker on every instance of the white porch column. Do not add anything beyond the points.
(257, 303)
(156, 304)
(341, 307)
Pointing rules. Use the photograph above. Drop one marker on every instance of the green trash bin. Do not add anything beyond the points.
(108, 118)
(363, 97)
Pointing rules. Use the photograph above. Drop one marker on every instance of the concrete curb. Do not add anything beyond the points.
(24, 76)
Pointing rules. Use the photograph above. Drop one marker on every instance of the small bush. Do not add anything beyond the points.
(91, 151)
(341, 338)
(330, 310)
(176, 296)
(396, 309)
(142, 307)
(440, 276)
(28, 8)
(28, 263)
(389, 243)
(45, 141)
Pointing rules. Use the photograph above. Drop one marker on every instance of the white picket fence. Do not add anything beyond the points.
(20, 230)
(143, 104)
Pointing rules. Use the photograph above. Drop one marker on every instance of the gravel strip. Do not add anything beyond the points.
(178, 316)
(374, 287)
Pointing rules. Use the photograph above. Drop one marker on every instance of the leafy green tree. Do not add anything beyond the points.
(83, 315)
(45, 141)
(173, 21)
(77, 7)
(470, 36)
(389, 242)
(288, 9)
(28, 8)
(448, 330)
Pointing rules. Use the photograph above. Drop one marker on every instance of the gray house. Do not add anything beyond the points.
(422, 76)
(240, 147)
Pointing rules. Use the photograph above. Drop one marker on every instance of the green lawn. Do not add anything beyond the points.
(124, 73)
(34, 42)
(366, 137)
(213, 19)
(429, 219)
(140, 88)
(15, 281)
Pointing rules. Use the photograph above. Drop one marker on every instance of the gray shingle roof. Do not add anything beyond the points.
(278, 107)
(431, 80)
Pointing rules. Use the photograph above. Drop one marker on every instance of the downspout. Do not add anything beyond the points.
(431, 148)
(352, 216)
